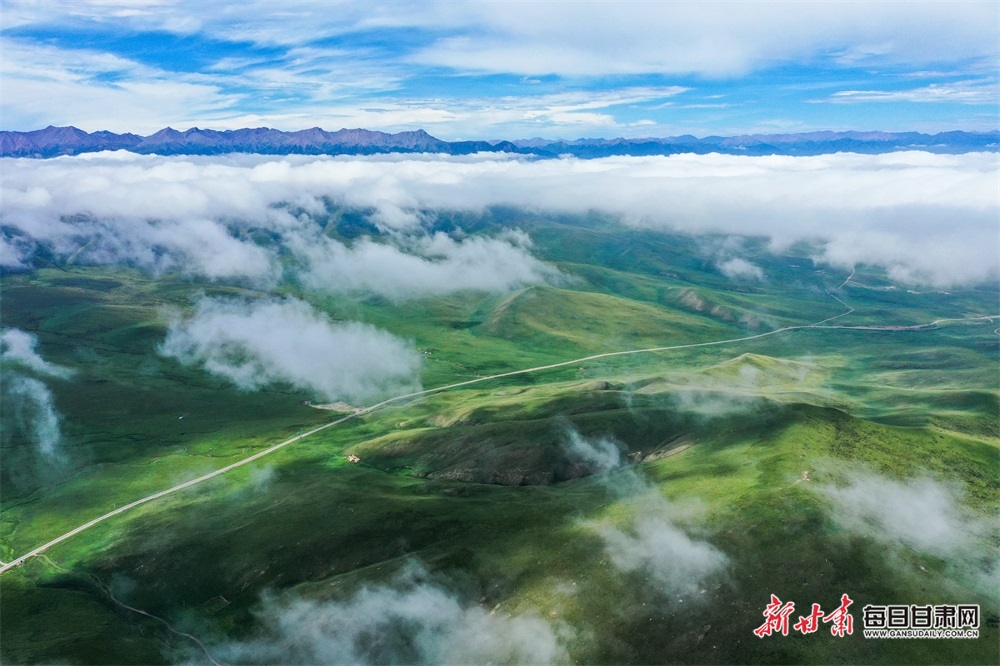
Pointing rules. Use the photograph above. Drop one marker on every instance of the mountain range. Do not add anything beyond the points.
(55, 141)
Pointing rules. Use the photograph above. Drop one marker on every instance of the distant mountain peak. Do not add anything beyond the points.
(53, 141)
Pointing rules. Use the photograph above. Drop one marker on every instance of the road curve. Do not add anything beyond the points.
(416, 394)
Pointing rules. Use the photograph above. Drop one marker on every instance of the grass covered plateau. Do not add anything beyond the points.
(637, 508)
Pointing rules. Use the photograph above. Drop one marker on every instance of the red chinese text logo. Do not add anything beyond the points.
(776, 619)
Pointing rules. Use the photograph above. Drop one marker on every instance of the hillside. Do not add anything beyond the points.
(631, 508)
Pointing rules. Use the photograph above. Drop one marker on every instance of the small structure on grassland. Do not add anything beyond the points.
(353, 459)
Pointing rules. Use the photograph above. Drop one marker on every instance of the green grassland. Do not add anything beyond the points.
(478, 484)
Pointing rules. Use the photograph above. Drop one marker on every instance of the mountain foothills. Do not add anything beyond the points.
(787, 415)
(54, 141)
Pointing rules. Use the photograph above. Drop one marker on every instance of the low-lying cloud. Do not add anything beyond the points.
(924, 515)
(601, 454)
(411, 621)
(739, 385)
(678, 564)
(426, 265)
(654, 544)
(741, 269)
(710, 403)
(713, 396)
(925, 217)
(28, 403)
(29, 407)
(256, 343)
(18, 347)
(191, 246)
(919, 513)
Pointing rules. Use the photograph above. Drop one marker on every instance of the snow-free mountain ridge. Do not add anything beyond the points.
(55, 141)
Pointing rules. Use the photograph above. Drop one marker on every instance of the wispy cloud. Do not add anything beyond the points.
(478, 116)
(18, 347)
(39, 78)
(28, 403)
(652, 542)
(599, 454)
(679, 564)
(469, 70)
(963, 92)
(411, 620)
(30, 406)
(922, 514)
(708, 38)
(919, 513)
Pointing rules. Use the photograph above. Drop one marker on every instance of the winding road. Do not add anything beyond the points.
(417, 394)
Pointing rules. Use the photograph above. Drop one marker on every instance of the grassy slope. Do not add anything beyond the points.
(306, 518)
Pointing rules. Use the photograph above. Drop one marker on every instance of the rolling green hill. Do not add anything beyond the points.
(550, 495)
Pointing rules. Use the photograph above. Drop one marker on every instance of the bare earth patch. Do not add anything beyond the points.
(335, 407)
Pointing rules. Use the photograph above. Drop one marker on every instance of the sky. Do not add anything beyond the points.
(501, 70)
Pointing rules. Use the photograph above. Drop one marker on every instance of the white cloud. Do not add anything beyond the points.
(715, 39)
(431, 265)
(653, 543)
(29, 406)
(601, 454)
(679, 564)
(925, 515)
(738, 268)
(583, 38)
(712, 400)
(18, 347)
(409, 621)
(928, 218)
(919, 513)
(961, 92)
(257, 343)
(198, 216)
(739, 385)
(314, 70)
(192, 246)
(15, 252)
(104, 91)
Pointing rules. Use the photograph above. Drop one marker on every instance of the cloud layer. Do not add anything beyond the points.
(411, 621)
(205, 217)
(927, 218)
(257, 343)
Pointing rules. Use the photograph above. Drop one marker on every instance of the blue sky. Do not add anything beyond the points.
(490, 70)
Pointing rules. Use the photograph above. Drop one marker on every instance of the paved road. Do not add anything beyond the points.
(416, 394)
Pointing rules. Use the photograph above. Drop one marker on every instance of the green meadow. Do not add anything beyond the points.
(739, 445)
